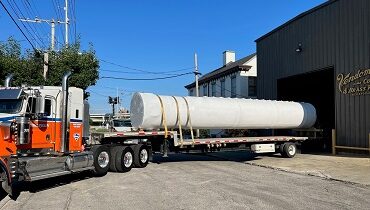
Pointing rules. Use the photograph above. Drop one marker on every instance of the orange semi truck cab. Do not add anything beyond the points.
(43, 132)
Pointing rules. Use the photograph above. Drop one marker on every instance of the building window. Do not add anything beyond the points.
(233, 86)
(223, 88)
(252, 86)
(191, 92)
(205, 90)
(213, 88)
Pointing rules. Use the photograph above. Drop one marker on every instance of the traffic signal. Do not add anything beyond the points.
(112, 100)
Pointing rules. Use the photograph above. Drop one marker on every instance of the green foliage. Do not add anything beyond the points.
(28, 68)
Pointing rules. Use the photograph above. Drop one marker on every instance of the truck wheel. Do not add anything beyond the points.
(113, 153)
(289, 150)
(102, 159)
(141, 158)
(124, 159)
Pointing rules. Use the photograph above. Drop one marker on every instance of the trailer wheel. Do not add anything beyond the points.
(102, 159)
(289, 150)
(113, 153)
(124, 159)
(141, 155)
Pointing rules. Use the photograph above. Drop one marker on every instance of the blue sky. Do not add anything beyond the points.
(156, 36)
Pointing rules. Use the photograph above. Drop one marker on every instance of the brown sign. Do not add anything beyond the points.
(354, 83)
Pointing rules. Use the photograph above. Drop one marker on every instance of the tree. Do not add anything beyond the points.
(28, 68)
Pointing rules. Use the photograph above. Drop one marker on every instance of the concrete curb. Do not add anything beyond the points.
(313, 174)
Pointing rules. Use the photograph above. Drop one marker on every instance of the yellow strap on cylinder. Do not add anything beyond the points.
(163, 121)
(189, 120)
(178, 120)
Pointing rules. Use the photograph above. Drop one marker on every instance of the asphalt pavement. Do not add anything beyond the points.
(190, 181)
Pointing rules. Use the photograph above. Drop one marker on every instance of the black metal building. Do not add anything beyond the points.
(322, 56)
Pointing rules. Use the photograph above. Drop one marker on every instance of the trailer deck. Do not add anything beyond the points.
(191, 142)
(237, 140)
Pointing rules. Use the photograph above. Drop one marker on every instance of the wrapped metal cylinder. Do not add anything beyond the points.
(150, 111)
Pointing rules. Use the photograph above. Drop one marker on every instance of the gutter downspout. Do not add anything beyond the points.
(8, 80)
(64, 146)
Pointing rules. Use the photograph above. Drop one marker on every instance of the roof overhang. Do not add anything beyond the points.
(296, 18)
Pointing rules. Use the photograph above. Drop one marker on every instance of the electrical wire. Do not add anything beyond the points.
(72, 4)
(31, 26)
(147, 79)
(23, 24)
(230, 91)
(145, 71)
(57, 7)
(130, 72)
(2, 4)
(35, 11)
(122, 90)
(98, 93)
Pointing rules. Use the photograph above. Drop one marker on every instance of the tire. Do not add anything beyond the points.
(289, 150)
(102, 160)
(124, 159)
(141, 155)
(114, 151)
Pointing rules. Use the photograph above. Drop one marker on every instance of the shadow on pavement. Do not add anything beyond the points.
(235, 156)
(41, 185)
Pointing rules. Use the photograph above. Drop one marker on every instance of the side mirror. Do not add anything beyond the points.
(40, 106)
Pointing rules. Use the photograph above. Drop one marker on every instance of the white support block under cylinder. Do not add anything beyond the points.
(218, 113)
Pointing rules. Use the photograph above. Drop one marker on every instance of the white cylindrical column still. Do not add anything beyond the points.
(218, 113)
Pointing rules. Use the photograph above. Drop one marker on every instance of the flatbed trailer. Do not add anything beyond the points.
(161, 141)
(44, 135)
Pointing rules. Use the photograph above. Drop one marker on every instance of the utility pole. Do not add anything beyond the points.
(52, 34)
(51, 23)
(46, 64)
(196, 73)
(118, 104)
(66, 21)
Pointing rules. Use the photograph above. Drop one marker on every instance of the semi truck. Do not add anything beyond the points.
(44, 133)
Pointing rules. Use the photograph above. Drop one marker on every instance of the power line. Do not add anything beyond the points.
(128, 72)
(73, 18)
(25, 27)
(145, 71)
(27, 8)
(30, 10)
(230, 91)
(146, 79)
(56, 7)
(34, 29)
(120, 89)
(98, 93)
(2, 4)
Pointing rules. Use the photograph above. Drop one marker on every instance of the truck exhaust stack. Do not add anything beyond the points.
(65, 140)
(8, 80)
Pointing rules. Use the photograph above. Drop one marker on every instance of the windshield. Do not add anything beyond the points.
(121, 123)
(10, 106)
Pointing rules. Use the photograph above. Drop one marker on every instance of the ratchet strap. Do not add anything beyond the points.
(188, 122)
(163, 121)
(178, 120)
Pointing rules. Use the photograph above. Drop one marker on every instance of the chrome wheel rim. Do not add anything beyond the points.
(103, 159)
(143, 155)
(127, 159)
(291, 149)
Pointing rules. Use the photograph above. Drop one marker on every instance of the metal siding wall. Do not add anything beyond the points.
(336, 35)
